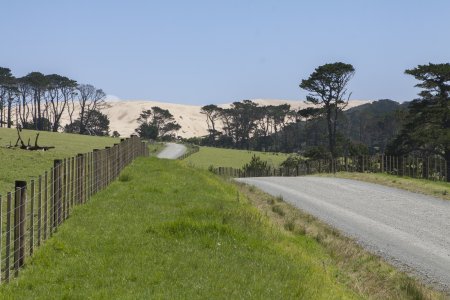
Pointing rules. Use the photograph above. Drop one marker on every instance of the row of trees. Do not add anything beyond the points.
(326, 129)
(38, 101)
(157, 123)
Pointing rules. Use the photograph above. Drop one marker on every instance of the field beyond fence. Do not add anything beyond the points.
(431, 168)
(31, 213)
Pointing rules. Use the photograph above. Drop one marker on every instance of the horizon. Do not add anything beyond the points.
(201, 52)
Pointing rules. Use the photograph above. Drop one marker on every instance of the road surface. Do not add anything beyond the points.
(172, 151)
(410, 230)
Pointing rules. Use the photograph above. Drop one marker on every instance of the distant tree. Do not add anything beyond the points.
(96, 124)
(212, 113)
(59, 92)
(115, 134)
(38, 84)
(157, 123)
(8, 94)
(90, 101)
(427, 125)
(328, 87)
(256, 166)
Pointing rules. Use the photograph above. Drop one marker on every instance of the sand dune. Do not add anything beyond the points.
(123, 114)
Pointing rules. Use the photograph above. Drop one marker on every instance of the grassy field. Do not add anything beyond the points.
(17, 164)
(219, 157)
(168, 231)
(434, 188)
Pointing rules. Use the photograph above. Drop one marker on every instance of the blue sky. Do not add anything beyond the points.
(202, 52)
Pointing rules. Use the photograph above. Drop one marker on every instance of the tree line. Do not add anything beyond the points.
(326, 129)
(38, 101)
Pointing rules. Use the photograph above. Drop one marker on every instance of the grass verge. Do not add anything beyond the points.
(164, 230)
(220, 157)
(155, 147)
(17, 164)
(433, 188)
(368, 275)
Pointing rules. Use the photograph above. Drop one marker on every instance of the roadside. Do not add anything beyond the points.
(367, 274)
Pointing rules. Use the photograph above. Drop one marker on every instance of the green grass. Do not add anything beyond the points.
(169, 231)
(17, 164)
(434, 188)
(219, 157)
(155, 148)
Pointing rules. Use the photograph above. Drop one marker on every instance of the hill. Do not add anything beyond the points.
(123, 114)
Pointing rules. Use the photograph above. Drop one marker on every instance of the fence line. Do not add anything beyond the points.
(192, 150)
(431, 168)
(33, 212)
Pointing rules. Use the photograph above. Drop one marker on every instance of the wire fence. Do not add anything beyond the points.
(33, 212)
(191, 150)
(431, 168)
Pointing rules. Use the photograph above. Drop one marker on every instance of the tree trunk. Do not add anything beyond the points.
(447, 164)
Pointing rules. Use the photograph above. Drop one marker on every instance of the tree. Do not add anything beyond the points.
(90, 100)
(60, 90)
(327, 87)
(38, 84)
(96, 123)
(427, 124)
(8, 93)
(157, 122)
(212, 113)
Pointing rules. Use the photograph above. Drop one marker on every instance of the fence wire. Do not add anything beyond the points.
(431, 168)
(33, 212)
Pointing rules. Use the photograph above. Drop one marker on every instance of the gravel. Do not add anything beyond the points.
(172, 151)
(411, 231)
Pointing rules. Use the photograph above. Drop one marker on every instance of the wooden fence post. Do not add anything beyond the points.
(56, 203)
(8, 236)
(32, 197)
(45, 204)
(39, 210)
(19, 224)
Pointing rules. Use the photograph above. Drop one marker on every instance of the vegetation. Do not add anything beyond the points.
(38, 101)
(328, 86)
(148, 236)
(18, 164)
(427, 125)
(157, 123)
(219, 157)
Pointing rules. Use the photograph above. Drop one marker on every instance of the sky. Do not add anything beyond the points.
(202, 52)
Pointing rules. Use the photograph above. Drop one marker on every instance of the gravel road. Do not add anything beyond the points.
(410, 230)
(172, 151)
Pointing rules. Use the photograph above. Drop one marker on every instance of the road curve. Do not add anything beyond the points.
(172, 151)
(410, 230)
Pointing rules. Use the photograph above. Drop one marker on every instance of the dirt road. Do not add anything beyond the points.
(172, 151)
(410, 230)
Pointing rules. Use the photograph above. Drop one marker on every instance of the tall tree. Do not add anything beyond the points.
(59, 91)
(8, 93)
(327, 87)
(38, 85)
(157, 122)
(90, 99)
(212, 113)
(427, 126)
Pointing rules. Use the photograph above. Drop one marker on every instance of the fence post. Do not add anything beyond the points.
(32, 196)
(39, 210)
(56, 193)
(19, 224)
(8, 236)
(45, 204)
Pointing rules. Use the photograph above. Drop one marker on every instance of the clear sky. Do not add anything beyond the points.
(202, 52)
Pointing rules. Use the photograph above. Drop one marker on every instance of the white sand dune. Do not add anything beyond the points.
(123, 114)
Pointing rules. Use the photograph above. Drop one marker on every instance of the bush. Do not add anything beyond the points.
(256, 166)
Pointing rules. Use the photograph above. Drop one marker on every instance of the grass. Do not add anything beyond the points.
(220, 157)
(368, 275)
(17, 164)
(168, 231)
(155, 148)
(427, 187)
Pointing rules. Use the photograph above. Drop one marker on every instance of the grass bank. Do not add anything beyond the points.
(17, 164)
(427, 187)
(219, 157)
(169, 231)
